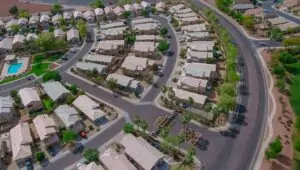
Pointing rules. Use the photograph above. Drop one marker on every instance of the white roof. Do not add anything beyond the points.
(58, 33)
(10, 23)
(143, 21)
(197, 34)
(110, 44)
(186, 15)
(34, 19)
(22, 21)
(77, 14)
(201, 45)
(145, 4)
(72, 33)
(114, 31)
(148, 37)
(90, 166)
(160, 5)
(6, 44)
(191, 82)
(6, 105)
(20, 141)
(112, 25)
(183, 11)
(121, 79)
(118, 10)
(277, 20)
(176, 8)
(29, 95)
(189, 19)
(199, 69)
(194, 27)
(67, 15)
(67, 114)
(56, 18)
(99, 11)
(98, 58)
(108, 10)
(141, 151)
(128, 7)
(185, 95)
(199, 54)
(44, 18)
(45, 126)
(135, 63)
(31, 36)
(144, 46)
(90, 66)
(146, 26)
(88, 14)
(19, 38)
(137, 6)
(115, 161)
(54, 89)
(89, 107)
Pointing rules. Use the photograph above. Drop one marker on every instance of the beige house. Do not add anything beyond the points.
(21, 141)
(109, 12)
(190, 20)
(143, 21)
(46, 129)
(99, 12)
(198, 56)
(201, 45)
(18, 41)
(23, 22)
(138, 9)
(119, 11)
(175, 8)
(144, 49)
(107, 60)
(160, 7)
(114, 33)
(59, 33)
(77, 14)
(197, 36)
(200, 70)
(192, 84)
(129, 8)
(184, 96)
(45, 20)
(193, 28)
(34, 21)
(67, 16)
(112, 25)
(147, 28)
(73, 36)
(154, 38)
(134, 66)
(110, 47)
(30, 99)
(69, 117)
(56, 19)
(55, 90)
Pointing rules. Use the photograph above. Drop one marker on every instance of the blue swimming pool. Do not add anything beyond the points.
(14, 68)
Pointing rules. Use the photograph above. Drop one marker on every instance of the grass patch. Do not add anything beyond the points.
(10, 79)
(42, 58)
(40, 69)
(48, 104)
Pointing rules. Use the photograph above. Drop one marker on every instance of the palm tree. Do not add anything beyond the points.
(185, 119)
(171, 93)
(189, 159)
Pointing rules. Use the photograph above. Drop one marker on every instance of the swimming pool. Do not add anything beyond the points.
(14, 68)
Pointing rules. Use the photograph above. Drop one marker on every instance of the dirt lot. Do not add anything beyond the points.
(32, 8)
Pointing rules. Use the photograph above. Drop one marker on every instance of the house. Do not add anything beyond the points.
(160, 7)
(257, 12)
(107, 60)
(154, 38)
(192, 84)
(21, 141)
(6, 45)
(200, 70)
(31, 37)
(67, 16)
(6, 109)
(45, 20)
(126, 83)
(288, 25)
(201, 45)
(147, 28)
(9, 24)
(119, 11)
(89, 16)
(175, 8)
(146, 6)
(277, 21)
(114, 160)
(59, 33)
(23, 22)
(198, 56)
(77, 14)
(183, 11)
(30, 99)
(99, 12)
(5, 149)
(143, 21)
(185, 96)
(114, 33)
(34, 21)
(197, 36)
(73, 36)
(129, 8)
(110, 47)
(185, 15)
(56, 19)
(242, 7)
(138, 9)
(141, 152)
(55, 90)
(109, 12)
(90, 108)
(69, 116)
(190, 20)
(134, 66)
(193, 28)
(87, 66)
(46, 129)
(144, 49)
(112, 25)
(90, 166)
(18, 41)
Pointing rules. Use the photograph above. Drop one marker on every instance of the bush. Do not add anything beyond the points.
(40, 156)
(163, 31)
(297, 144)
(175, 80)
(278, 70)
(91, 127)
(13, 93)
(91, 155)
(73, 88)
(51, 75)
(182, 53)
(274, 149)
(128, 128)
(280, 84)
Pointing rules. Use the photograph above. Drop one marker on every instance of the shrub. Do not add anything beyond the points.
(51, 75)
(40, 156)
(128, 128)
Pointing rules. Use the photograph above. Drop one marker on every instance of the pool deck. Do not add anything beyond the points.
(23, 68)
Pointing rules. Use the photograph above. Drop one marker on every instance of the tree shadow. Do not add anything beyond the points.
(276, 166)
(284, 160)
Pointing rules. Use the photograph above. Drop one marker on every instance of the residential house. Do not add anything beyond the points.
(197, 36)
(45, 21)
(201, 45)
(46, 129)
(141, 152)
(89, 16)
(290, 4)
(193, 28)
(77, 15)
(107, 60)
(69, 116)
(99, 12)
(23, 22)
(18, 41)
(190, 20)
(6, 109)
(160, 7)
(288, 25)
(154, 38)
(185, 15)
(256, 12)
(277, 21)
(143, 21)
(68, 16)
(56, 19)
(175, 8)
(144, 49)
(129, 8)
(90, 166)
(192, 84)
(126, 83)
(88, 66)
(184, 96)
(146, 5)
(200, 70)
(73, 36)
(5, 149)
(31, 37)
(110, 47)
(30, 99)
(109, 12)
(134, 66)
(34, 21)
(6, 45)
(242, 7)
(119, 11)
(114, 160)
(147, 28)
(138, 9)
(59, 33)
(114, 33)
(112, 25)
(198, 56)
(55, 90)
(21, 141)
(183, 11)
(9, 24)
(90, 108)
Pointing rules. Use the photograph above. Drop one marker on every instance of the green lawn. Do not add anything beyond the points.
(48, 104)
(52, 58)
(40, 69)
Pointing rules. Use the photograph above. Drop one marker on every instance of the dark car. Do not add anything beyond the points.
(78, 148)
(51, 151)
(64, 58)
(29, 165)
(93, 50)
(262, 44)
(115, 95)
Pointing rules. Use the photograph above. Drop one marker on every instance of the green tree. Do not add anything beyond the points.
(112, 84)
(153, 10)
(191, 101)
(182, 53)
(163, 31)
(274, 149)
(97, 4)
(13, 93)
(74, 89)
(56, 9)
(62, 21)
(163, 46)
(13, 10)
(227, 102)
(297, 144)
(232, 76)
(275, 34)
(287, 58)
(82, 28)
(46, 41)
(249, 22)
(38, 59)
(164, 89)
(208, 107)
(51, 75)
(254, 2)
(137, 120)
(164, 131)
(69, 136)
(128, 128)
(126, 14)
(185, 120)
(91, 155)
(130, 37)
(144, 125)
(189, 159)
(293, 41)
(70, 99)
(23, 13)
(40, 156)
(280, 84)
(228, 88)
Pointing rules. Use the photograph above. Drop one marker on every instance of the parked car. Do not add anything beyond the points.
(115, 95)
(78, 148)
(65, 58)
(29, 165)
(262, 44)
(93, 50)
(51, 151)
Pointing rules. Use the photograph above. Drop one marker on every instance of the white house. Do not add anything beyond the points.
(99, 12)
(18, 40)
(119, 11)
(146, 5)
(69, 117)
(200, 70)
(67, 16)
(184, 96)
(56, 19)
(109, 12)
(6, 45)
(59, 33)
(23, 22)
(78, 14)
(138, 9)
(45, 20)
(33, 21)
(88, 66)
(89, 16)
(30, 99)
(192, 84)
(31, 37)
(73, 36)
(55, 90)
